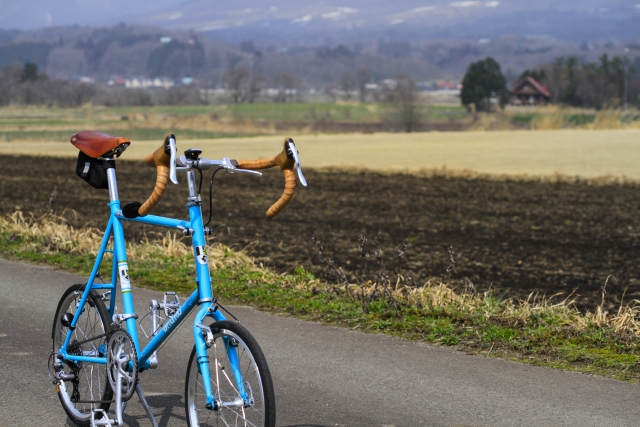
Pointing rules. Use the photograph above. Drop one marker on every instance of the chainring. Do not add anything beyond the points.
(122, 358)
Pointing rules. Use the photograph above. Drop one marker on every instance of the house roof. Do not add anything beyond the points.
(534, 83)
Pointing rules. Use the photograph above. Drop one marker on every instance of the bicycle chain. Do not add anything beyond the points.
(92, 339)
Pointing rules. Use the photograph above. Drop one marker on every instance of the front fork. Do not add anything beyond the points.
(201, 338)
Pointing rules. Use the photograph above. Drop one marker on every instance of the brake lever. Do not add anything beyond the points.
(229, 167)
(292, 150)
(172, 162)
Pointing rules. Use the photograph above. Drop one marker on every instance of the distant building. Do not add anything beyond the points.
(529, 91)
(446, 85)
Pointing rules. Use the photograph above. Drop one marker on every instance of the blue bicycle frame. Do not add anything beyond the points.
(202, 296)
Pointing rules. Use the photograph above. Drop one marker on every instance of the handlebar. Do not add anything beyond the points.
(166, 162)
(286, 159)
(164, 159)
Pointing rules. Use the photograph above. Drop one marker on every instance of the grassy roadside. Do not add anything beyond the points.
(540, 332)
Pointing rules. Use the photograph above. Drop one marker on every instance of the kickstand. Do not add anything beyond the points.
(145, 405)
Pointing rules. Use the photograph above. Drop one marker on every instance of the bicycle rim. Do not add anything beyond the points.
(93, 382)
(257, 383)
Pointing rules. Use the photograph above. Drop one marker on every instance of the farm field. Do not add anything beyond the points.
(514, 236)
(212, 121)
(587, 153)
(301, 118)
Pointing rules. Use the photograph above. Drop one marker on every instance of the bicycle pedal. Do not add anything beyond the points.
(103, 419)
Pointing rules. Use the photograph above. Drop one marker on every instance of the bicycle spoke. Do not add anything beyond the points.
(226, 391)
(92, 385)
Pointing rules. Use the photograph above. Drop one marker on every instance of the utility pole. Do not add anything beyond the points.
(626, 77)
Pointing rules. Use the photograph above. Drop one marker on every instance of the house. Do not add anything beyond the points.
(529, 92)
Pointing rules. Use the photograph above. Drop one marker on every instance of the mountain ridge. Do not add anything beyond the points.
(288, 23)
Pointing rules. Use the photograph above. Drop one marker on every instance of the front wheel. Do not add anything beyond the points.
(260, 406)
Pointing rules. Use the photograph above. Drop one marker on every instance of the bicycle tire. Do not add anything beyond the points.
(94, 384)
(255, 372)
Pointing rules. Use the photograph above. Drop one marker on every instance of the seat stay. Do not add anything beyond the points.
(87, 290)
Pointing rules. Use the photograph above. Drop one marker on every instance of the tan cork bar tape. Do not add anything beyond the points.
(149, 160)
(289, 189)
(286, 164)
(160, 160)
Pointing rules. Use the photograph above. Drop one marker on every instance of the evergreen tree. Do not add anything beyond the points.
(29, 72)
(482, 83)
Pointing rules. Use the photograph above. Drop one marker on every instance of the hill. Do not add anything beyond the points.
(126, 51)
(289, 23)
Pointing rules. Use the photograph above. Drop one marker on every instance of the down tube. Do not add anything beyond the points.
(172, 323)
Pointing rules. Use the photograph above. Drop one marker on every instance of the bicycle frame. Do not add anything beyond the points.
(202, 296)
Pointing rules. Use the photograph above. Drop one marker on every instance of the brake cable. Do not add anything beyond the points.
(211, 193)
(200, 172)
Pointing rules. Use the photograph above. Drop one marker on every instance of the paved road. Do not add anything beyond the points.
(323, 376)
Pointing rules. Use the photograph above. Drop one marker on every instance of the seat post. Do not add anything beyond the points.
(113, 185)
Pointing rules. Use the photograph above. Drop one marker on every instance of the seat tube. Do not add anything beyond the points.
(121, 256)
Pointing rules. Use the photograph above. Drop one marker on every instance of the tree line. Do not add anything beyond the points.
(25, 85)
(605, 83)
(597, 84)
(246, 86)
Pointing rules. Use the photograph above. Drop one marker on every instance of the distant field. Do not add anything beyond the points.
(587, 153)
(39, 122)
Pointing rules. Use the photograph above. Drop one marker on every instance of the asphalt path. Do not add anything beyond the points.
(323, 376)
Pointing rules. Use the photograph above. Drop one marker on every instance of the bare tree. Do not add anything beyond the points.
(331, 92)
(363, 78)
(288, 86)
(236, 81)
(404, 103)
(9, 81)
(347, 83)
(255, 86)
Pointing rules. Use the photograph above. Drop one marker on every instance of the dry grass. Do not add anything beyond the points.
(433, 295)
(489, 122)
(63, 238)
(552, 118)
(587, 153)
(608, 119)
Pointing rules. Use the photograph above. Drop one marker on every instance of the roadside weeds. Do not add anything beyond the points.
(546, 331)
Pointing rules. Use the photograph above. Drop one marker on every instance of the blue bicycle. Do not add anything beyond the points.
(97, 358)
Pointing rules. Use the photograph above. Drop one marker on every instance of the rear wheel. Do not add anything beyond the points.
(260, 406)
(91, 383)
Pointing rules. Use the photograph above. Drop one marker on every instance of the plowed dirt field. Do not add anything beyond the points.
(513, 236)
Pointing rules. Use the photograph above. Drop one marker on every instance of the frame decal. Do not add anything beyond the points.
(201, 255)
(123, 274)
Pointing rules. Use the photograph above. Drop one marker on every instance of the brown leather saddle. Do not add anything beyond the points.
(99, 144)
